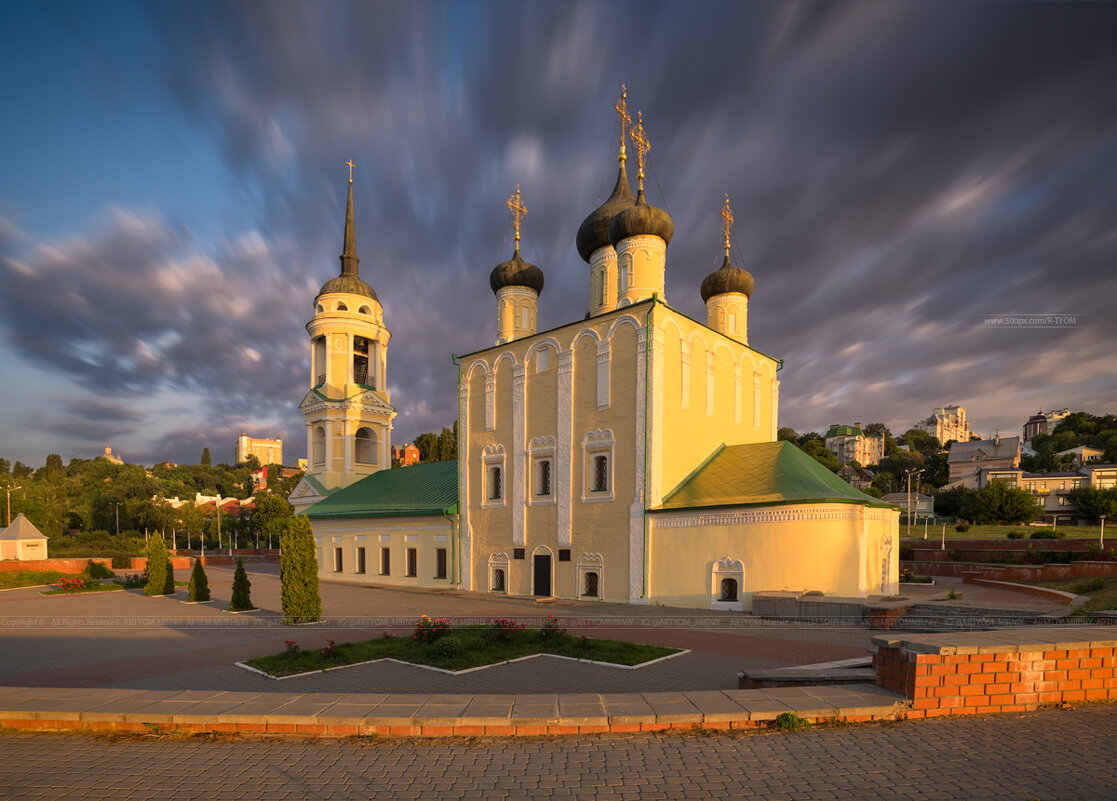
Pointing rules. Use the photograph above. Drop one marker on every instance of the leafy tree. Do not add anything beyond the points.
(428, 447)
(1093, 502)
(298, 573)
(205, 457)
(953, 502)
(192, 519)
(786, 434)
(919, 441)
(448, 444)
(999, 502)
(5, 467)
(884, 482)
(818, 451)
(198, 589)
(20, 470)
(157, 567)
(242, 599)
(53, 470)
(272, 515)
(937, 470)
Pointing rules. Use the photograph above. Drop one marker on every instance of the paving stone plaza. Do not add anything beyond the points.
(122, 645)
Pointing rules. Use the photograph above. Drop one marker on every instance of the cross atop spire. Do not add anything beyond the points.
(727, 222)
(622, 114)
(640, 140)
(351, 166)
(518, 209)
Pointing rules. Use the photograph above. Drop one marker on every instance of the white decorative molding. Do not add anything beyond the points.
(689, 519)
(563, 474)
(885, 563)
(655, 398)
(727, 568)
(684, 351)
(710, 362)
(603, 353)
(498, 561)
(519, 451)
(775, 405)
(636, 508)
(589, 563)
(490, 400)
(737, 393)
(756, 400)
(599, 442)
(538, 450)
(493, 456)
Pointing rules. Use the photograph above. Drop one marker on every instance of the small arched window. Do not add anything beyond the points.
(498, 579)
(318, 447)
(341, 307)
(728, 590)
(366, 443)
(600, 473)
(495, 488)
(319, 308)
(365, 310)
(590, 588)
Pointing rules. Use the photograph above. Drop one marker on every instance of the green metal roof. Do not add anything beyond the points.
(844, 431)
(762, 474)
(421, 489)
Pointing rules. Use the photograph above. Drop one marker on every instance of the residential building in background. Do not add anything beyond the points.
(1042, 423)
(947, 423)
(404, 455)
(857, 477)
(967, 460)
(1081, 455)
(850, 443)
(268, 451)
(923, 506)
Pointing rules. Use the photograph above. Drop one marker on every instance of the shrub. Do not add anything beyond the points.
(789, 721)
(551, 629)
(157, 567)
(96, 570)
(449, 647)
(1087, 587)
(298, 573)
(199, 584)
(428, 629)
(241, 599)
(962, 527)
(907, 553)
(330, 651)
(1047, 534)
(131, 580)
(1015, 535)
(504, 629)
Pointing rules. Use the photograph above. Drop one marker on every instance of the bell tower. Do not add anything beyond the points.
(347, 408)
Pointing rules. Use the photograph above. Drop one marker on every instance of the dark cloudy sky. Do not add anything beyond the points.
(172, 189)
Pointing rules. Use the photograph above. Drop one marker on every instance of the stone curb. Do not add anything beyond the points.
(350, 714)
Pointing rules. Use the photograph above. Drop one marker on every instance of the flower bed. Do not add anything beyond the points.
(460, 649)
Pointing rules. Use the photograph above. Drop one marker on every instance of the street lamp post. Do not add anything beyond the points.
(910, 473)
(10, 503)
(1101, 540)
(117, 518)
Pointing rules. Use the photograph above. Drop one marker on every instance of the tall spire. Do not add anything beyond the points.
(349, 258)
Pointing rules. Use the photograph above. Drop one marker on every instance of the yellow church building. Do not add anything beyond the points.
(629, 456)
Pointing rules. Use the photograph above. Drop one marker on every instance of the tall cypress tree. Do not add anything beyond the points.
(157, 567)
(169, 584)
(199, 584)
(298, 573)
(241, 599)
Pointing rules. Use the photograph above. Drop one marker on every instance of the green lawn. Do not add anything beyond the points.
(1102, 591)
(467, 647)
(1001, 532)
(28, 578)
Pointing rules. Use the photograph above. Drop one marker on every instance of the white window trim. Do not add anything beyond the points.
(723, 569)
(541, 449)
(498, 561)
(493, 456)
(599, 442)
(589, 563)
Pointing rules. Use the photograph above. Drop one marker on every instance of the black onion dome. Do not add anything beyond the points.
(727, 278)
(594, 230)
(516, 272)
(641, 219)
(347, 282)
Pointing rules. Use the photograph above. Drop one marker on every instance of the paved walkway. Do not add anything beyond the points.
(126, 640)
(1063, 755)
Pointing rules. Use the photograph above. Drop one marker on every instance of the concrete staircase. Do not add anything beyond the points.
(967, 616)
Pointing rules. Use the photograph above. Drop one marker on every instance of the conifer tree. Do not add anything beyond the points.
(199, 584)
(241, 599)
(298, 573)
(169, 585)
(157, 565)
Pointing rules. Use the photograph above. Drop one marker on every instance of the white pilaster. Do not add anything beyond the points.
(655, 398)
(518, 463)
(737, 393)
(636, 510)
(775, 406)
(603, 374)
(490, 400)
(564, 446)
(684, 372)
(710, 383)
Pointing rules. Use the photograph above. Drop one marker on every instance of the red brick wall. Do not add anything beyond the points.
(942, 684)
(43, 565)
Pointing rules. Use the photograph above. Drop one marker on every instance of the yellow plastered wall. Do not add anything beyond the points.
(425, 533)
(839, 556)
(706, 403)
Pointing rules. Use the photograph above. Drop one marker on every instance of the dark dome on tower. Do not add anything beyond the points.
(516, 272)
(640, 219)
(727, 278)
(594, 230)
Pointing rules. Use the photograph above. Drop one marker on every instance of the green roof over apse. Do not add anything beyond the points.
(762, 474)
(421, 489)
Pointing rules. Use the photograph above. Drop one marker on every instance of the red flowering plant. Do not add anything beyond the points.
(329, 651)
(551, 629)
(504, 629)
(292, 646)
(428, 629)
(73, 584)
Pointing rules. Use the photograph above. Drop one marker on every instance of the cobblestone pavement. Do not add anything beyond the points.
(126, 640)
(1058, 755)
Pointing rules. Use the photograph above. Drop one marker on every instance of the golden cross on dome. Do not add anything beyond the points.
(622, 114)
(640, 140)
(518, 209)
(351, 166)
(727, 217)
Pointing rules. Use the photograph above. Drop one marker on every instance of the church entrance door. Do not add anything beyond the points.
(542, 583)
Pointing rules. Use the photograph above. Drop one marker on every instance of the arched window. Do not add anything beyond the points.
(726, 582)
(341, 307)
(495, 488)
(366, 446)
(365, 310)
(319, 308)
(590, 587)
(544, 466)
(498, 579)
(600, 473)
(601, 289)
(318, 447)
(728, 589)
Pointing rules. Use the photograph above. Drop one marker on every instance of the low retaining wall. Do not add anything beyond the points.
(1082, 569)
(44, 565)
(930, 550)
(1048, 594)
(997, 671)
